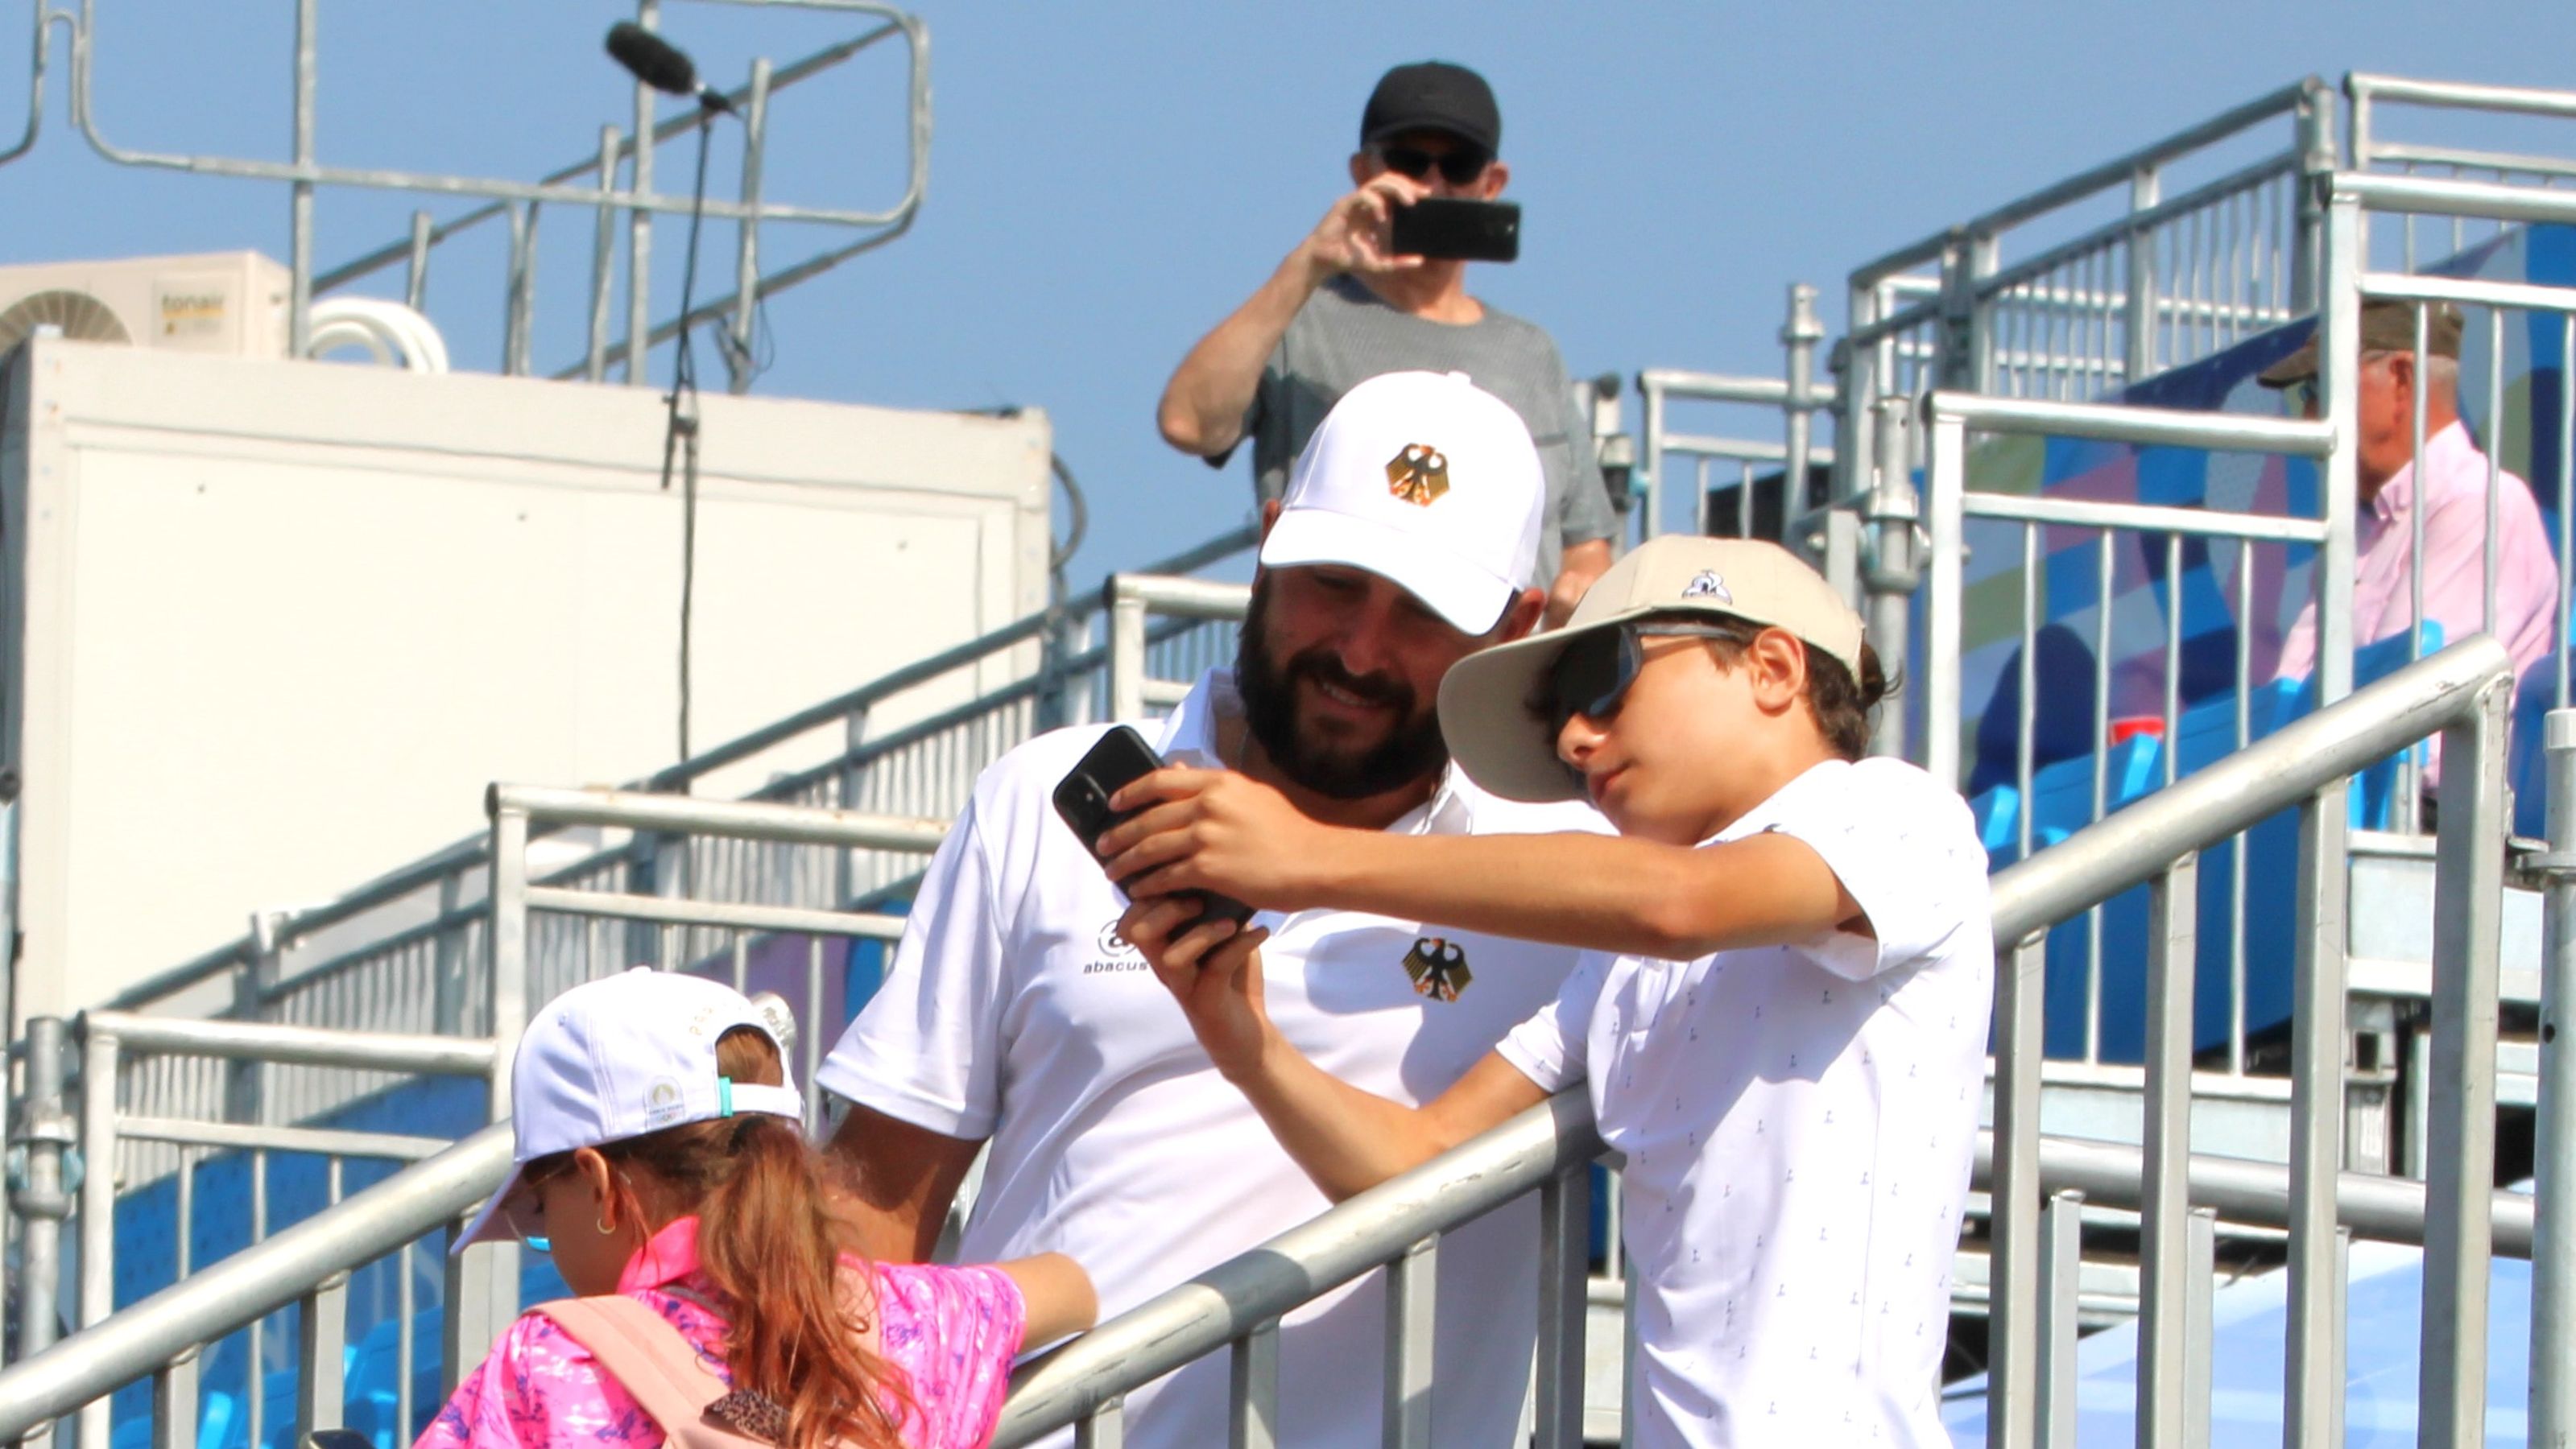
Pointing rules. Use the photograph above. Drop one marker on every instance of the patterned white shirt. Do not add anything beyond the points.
(1799, 1124)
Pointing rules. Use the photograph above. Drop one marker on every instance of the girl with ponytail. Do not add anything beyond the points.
(662, 1163)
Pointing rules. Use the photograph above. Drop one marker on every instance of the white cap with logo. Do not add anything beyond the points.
(1424, 479)
(623, 1056)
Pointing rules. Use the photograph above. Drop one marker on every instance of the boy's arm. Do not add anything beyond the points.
(1216, 830)
(1347, 1140)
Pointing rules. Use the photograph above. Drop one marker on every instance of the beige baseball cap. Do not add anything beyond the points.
(1485, 698)
(1425, 479)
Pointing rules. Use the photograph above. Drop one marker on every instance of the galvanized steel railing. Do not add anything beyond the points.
(590, 185)
(2457, 1216)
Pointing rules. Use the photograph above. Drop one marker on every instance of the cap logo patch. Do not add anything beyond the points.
(1707, 585)
(1438, 968)
(1418, 474)
(661, 1101)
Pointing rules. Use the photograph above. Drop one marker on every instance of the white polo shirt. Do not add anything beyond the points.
(1013, 1011)
(1799, 1123)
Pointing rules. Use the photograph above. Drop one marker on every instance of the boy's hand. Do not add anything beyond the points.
(1213, 968)
(1215, 830)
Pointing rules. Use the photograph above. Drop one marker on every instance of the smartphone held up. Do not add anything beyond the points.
(1456, 228)
(1082, 800)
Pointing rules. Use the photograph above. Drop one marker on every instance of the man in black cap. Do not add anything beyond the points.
(1344, 308)
(2449, 483)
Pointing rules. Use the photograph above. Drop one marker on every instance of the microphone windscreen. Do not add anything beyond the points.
(655, 61)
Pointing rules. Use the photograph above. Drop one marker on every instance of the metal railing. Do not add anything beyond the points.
(2170, 280)
(2458, 1218)
(2371, 150)
(592, 185)
(1672, 455)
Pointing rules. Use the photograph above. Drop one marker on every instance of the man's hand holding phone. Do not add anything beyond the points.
(1354, 235)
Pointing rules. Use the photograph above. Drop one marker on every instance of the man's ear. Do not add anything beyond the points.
(1362, 168)
(1269, 519)
(1498, 174)
(1519, 617)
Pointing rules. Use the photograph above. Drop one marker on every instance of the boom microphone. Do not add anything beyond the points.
(660, 64)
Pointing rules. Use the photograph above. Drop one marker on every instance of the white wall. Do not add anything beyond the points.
(273, 626)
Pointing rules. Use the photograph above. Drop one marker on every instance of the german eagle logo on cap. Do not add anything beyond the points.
(1418, 474)
(1438, 968)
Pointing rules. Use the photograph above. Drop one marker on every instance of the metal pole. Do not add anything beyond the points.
(1894, 571)
(97, 1206)
(45, 1133)
(299, 321)
(1126, 652)
(2468, 903)
(2313, 1393)
(1944, 480)
(2165, 1267)
(746, 268)
(2021, 973)
(416, 279)
(2061, 1256)
(2316, 169)
(2339, 362)
(519, 306)
(639, 224)
(2553, 1246)
(1799, 335)
(2140, 320)
(603, 257)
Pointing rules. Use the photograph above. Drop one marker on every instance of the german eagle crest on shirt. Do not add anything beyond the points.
(1438, 968)
(1418, 473)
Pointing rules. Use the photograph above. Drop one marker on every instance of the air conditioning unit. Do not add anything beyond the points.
(229, 303)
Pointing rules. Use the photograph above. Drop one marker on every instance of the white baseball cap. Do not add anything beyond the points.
(1425, 479)
(620, 1057)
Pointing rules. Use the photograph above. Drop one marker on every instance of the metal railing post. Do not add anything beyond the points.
(1891, 569)
(2316, 142)
(299, 312)
(416, 275)
(2165, 1268)
(45, 1132)
(1252, 1388)
(322, 1336)
(2313, 1394)
(174, 1402)
(2468, 896)
(97, 1204)
(1412, 1284)
(1944, 481)
(246, 1081)
(2339, 361)
(2553, 1247)
(2061, 1269)
(1650, 402)
(639, 224)
(2138, 322)
(746, 268)
(1126, 652)
(2021, 974)
(603, 257)
(453, 987)
(518, 313)
(1798, 338)
(1564, 1245)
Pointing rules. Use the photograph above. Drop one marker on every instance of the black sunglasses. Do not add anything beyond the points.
(1456, 167)
(1592, 676)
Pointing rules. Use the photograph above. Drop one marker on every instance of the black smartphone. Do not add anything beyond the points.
(1082, 799)
(1454, 227)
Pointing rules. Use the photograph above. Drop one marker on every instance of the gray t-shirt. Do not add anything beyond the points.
(1345, 335)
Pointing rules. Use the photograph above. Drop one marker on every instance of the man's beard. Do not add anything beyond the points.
(1414, 750)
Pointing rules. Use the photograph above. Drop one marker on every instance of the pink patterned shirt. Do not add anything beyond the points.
(951, 1331)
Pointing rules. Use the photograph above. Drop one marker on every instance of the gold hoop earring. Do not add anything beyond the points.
(604, 1229)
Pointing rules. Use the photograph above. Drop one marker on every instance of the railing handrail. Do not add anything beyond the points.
(729, 819)
(2224, 799)
(2116, 172)
(311, 1046)
(476, 850)
(1366, 1231)
(251, 1284)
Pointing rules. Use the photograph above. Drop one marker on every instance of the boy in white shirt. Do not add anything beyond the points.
(1782, 1016)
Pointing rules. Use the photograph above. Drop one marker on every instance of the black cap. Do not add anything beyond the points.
(1433, 95)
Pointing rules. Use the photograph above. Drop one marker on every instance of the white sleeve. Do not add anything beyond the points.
(927, 1049)
(1550, 1048)
(1903, 847)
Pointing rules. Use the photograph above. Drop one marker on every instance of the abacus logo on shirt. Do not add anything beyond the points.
(1115, 953)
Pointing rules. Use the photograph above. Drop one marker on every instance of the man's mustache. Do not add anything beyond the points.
(1324, 668)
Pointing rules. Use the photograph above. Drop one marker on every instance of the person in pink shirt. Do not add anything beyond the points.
(661, 1161)
(2450, 485)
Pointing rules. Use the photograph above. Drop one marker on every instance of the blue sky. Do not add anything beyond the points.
(1107, 181)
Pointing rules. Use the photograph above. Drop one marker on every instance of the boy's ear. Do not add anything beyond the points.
(1778, 664)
